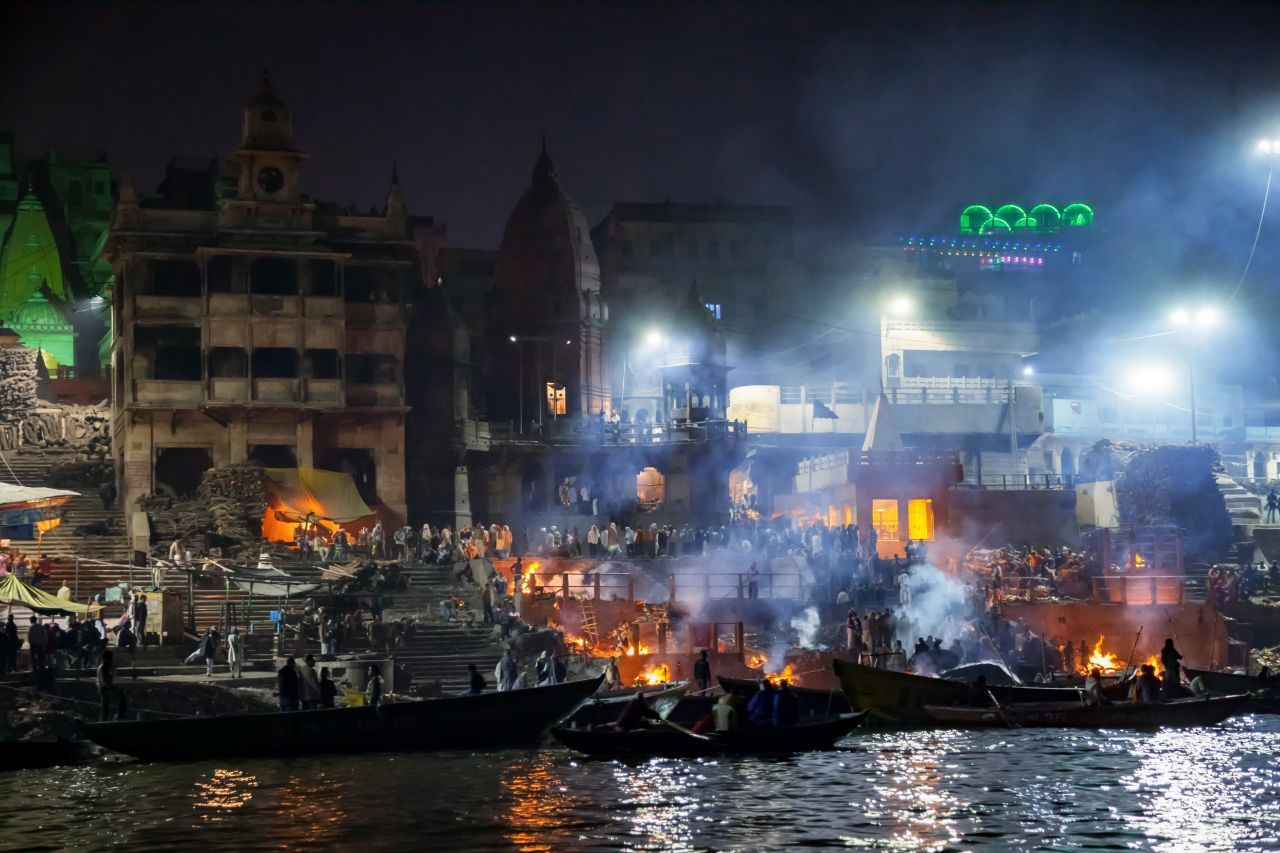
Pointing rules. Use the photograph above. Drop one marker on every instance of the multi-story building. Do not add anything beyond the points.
(253, 323)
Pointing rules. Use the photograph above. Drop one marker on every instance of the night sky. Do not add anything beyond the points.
(869, 119)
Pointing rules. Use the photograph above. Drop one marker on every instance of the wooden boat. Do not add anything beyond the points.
(33, 754)
(1230, 682)
(605, 707)
(812, 702)
(1074, 715)
(486, 721)
(900, 697)
(667, 741)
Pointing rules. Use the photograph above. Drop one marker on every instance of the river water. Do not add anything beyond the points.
(1195, 789)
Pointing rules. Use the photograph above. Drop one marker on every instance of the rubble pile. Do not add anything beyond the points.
(1174, 484)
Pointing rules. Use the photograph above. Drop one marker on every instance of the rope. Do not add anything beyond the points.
(10, 470)
(1256, 234)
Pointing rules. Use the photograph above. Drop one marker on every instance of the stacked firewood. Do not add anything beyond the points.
(223, 519)
(17, 383)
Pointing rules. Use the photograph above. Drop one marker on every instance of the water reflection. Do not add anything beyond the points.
(222, 792)
(659, 799)
(540, 803)
(316, 804)
(911, 803)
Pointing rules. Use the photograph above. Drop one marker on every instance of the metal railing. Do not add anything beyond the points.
(590, 430)
(699, 586)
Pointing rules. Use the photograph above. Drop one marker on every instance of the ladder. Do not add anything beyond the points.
(590, 628)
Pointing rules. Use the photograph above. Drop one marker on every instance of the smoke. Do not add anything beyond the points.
(935, 603)
(806, 626)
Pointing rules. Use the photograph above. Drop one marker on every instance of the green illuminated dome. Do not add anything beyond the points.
(38, 314)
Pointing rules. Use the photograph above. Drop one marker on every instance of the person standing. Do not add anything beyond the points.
(328, 690)
(1171, 658)
(373, 690)
(287, 685)
(477, 683)
(753, 582)
(107, 689)
(612, 676)
(37, 643)
(209, 650)
(508, 672)
(309, 684)
(702, 672)
(235, 651)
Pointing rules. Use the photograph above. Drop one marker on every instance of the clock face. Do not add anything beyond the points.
(270, 179)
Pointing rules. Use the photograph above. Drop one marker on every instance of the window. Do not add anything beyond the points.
(920, 519)
(848, 515)
(555, 399)
(884, 518)
(714, 308)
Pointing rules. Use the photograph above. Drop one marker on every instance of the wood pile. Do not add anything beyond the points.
(224, 517)
(17, 383)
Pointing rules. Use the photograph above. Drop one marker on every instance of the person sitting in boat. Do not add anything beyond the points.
(1146, 688)
(726, 716)
(786, 707)
(760, 705)
(635, 713)
(1093, 694)
(979, 695)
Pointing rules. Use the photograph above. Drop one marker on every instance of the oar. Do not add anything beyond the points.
(1010, 723)
(1134, 649)
(690, 732)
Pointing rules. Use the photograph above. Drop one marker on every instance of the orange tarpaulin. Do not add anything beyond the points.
(295, 495)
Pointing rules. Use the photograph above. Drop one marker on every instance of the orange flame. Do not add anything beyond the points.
(756, 661)
(659, 674)
(1103, 660)
(787, 674)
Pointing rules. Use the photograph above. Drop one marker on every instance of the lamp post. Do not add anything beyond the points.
(1200, 322)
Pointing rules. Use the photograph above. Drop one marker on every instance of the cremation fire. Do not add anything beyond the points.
(787, 674)
(757, 661)
(632, 651)
(660, 674)
(1105, 661)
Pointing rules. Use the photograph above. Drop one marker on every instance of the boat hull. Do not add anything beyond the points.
(486, 721)
(34, 754)
(1178, 712)
(666, 741)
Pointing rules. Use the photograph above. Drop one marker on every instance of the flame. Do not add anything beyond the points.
(1103, 660)
(1156, 664)
(787, 674)
(756, 661)
(1138, 562)
(632, 651)
(659, 674)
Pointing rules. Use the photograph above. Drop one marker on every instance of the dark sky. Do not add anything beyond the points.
(867, 117)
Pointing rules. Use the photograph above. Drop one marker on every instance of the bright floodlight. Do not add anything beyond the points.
(900, 306)
(654, 338)
(1207, 317)
(1180, 317)
(511, 338)
(1269, 146)
(1028, 370)
(1150, 379)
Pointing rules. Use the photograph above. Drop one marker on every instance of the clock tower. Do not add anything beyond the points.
(269, 162)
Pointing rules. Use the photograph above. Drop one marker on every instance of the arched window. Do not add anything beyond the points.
(1077, 215)
(995, 225)
(1047, 218)
(1010, 213)
(973, 217)
(893, 365)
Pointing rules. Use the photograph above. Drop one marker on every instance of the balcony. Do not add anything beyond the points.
(165, 393)
(322, 306)
(276, 390)
(229, 390)
(228, 304)
(375, 314)
(276, 306)
(150, 307)
(326, 392)
(374, 394)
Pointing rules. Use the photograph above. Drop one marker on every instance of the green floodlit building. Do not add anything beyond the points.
(54, 286)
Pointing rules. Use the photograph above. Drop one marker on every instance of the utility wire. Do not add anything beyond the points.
(1256, 234)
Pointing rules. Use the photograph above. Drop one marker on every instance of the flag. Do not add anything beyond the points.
(820, 410)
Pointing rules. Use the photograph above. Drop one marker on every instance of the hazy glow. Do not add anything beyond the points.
(1150, 379)
(901, 306)
(654, 338)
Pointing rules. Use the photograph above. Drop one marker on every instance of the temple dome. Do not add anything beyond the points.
(546, 244)
(38, 313)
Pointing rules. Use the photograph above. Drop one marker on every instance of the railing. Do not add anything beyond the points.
(699, 586)
(589, 430)
(1149, 589)
(1021, 482)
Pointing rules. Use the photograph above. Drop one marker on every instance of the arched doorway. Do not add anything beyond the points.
(651, 489)
(1260, 465)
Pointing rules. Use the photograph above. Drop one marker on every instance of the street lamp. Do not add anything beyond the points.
(653, 339)
(901, 305)
(1269, 147)
(1203, 320)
